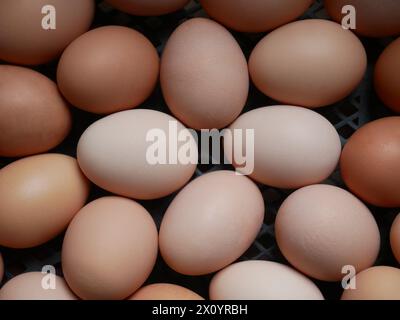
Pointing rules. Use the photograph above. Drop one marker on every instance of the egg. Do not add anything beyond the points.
(387, 76)
(108, 69)
(262, 280)
(376, 283)
(373, 18)
(109, 249)
(28, 35)
(34, 116)
(165, 291)
(293, 146)
(321, 228)
(255, 15)
(211, 223)
(114, 153)
(394, 238)
(204, 75)
(148, 7)
(29, 286)
(310, 63)
(1, 268)
(39, 195)
(370, 160)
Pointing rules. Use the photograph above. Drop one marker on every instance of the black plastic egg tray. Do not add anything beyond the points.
(348, 115)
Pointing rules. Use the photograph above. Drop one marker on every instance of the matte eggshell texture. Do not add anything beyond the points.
(109, 249)
(1, 267)
(39, 195)
(22, 37)
(34, 116)
(211, 223)
(294, 146)
(310, 63)
(395, 238)
(322, 228)
(255, 15)
(108, 69)
(148, 7)
(387, 75)
(204, 75)
(376, 283)
(262, 280)
(28, 286)
(165, 291)
(370, 162)
(113, 151)
(373, 18)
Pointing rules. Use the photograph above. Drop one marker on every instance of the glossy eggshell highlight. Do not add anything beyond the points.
(204, 75)
(310, 63)
(23, 40)
(373, 18)
(148, 7)
(113, 153)
(255, 15)
(376, 283)
(109, 249)
(370, 161)
(211, 223)
(321, 228)
(262, 280)
(34, 116)
(28, 286)
(1, 268)
(293, 146)
(39, 196)
(165, 291)
(387, 76)
(395, 238)
(108, 69)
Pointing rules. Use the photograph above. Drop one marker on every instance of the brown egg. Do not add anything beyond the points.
(204, 76)
(255, 15)
(108, 69)
(34, 116)
(165, 291)
(23, 40)
(211, 223)
(395, 238)
(29, 286)
(387, 76)
(109, 249)
(376, 283)
(148, 7)
(39, 195)
(370, 161)
(1, 268)
(373, 18)
(321, 228)
(310, 63)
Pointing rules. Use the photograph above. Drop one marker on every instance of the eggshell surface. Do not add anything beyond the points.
(395, 238)
(165, 291)
(148, 7)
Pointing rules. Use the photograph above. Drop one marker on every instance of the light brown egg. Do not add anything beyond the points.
(370, 161)
(148, 7)
(165, 291)
(1, 268)
(23, 40)
(376, 283)
(109, 249)
(108, 69)
(262, 280)
(211, 223)
(28, 286)
(395, 238)
(255, 15)
(34, 116)
(310, 63)
(387, 76)
(204, 75)
(373, 18)
(39, 196)
(321, 228)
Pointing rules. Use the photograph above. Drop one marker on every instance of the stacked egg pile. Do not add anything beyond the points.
(81, 90)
